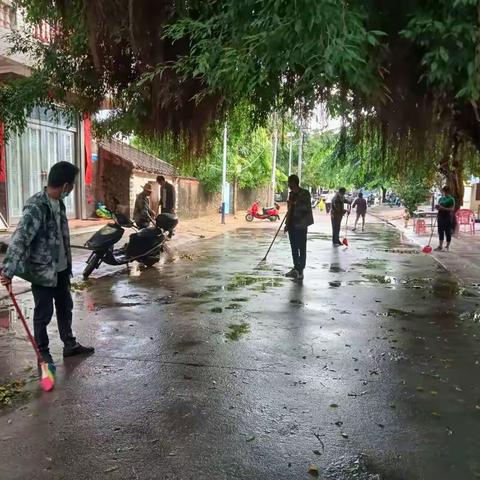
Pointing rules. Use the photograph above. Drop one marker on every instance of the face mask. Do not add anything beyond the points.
(64, 195)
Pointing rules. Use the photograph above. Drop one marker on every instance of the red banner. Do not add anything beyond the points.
(3, 163)
(87, 138)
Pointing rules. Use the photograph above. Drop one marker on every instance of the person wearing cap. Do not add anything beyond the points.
(142, 211)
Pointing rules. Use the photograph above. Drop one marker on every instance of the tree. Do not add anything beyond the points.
(249, 155)
(404, 74)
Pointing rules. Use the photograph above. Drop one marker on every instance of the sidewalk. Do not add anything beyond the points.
(463, 259)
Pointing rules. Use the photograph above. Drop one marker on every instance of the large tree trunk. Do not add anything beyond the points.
(451, 166)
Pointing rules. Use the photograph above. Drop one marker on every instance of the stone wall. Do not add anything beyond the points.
(194, 202)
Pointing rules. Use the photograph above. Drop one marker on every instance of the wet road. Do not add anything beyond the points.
(216, 367)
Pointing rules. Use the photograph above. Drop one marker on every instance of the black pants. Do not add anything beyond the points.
(44, 298)
(445, 227)
(336, 226)
(167, 210)
(298, 242)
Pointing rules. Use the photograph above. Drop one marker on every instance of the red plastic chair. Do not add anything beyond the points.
(466, 218)
(420, 226)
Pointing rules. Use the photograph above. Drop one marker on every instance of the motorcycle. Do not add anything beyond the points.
(144, 246)
(272, 213)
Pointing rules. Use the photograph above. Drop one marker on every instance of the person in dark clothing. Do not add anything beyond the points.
(39, 252)
(337, 213)
(361, 205)
(445, 223)
(299, 218)
(167, 195)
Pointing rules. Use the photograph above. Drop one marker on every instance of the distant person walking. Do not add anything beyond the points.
(167, 195)
(445, 222)
(337, 213)
(299, 218)
(361, 205)
(328, 202)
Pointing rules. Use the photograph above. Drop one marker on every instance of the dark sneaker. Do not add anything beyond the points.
(293, 273)
(77, 349)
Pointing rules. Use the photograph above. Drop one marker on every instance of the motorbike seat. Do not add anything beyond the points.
(265, 209)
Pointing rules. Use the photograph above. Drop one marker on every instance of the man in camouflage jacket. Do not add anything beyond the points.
(39, 252)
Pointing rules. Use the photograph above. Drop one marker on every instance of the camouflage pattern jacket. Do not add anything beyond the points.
(35, 246)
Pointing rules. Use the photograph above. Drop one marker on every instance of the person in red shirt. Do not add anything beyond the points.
(361, 205)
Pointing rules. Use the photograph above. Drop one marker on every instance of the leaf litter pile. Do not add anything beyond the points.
(10, 391)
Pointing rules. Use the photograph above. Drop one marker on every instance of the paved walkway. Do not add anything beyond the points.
(463, 259)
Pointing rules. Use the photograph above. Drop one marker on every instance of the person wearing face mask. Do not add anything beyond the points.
(39, 252)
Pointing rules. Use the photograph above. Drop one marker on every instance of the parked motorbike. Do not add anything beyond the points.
(144, 246)
(272, 213)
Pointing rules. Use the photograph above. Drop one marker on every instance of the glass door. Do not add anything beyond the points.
(29, 159)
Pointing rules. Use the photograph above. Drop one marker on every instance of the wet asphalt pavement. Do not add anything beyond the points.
(216, 367)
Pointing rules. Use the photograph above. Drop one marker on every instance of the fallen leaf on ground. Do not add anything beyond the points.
(111, 469)
(313, 470)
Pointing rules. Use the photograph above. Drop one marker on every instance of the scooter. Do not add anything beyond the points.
(144, 246)
(272, 213)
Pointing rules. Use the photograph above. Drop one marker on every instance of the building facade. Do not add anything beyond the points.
(27, 157)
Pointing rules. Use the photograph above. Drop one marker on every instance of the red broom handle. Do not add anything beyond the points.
(24, 321)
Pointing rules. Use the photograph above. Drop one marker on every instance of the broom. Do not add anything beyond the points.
(428, 248)
(345, 239)
(47, 370)
(264, 259)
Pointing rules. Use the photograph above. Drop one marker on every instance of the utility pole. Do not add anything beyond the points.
(300, 153)
(224, 171)
(290, 158)
(274, 160)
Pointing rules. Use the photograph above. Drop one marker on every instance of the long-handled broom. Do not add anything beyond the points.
(47, 370)
(428, 248)
(273, 241)
(345, 239)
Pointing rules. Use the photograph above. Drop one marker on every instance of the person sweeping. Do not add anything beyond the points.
(337, 212)
(445, 209)
(39, 252)
(299, 218)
